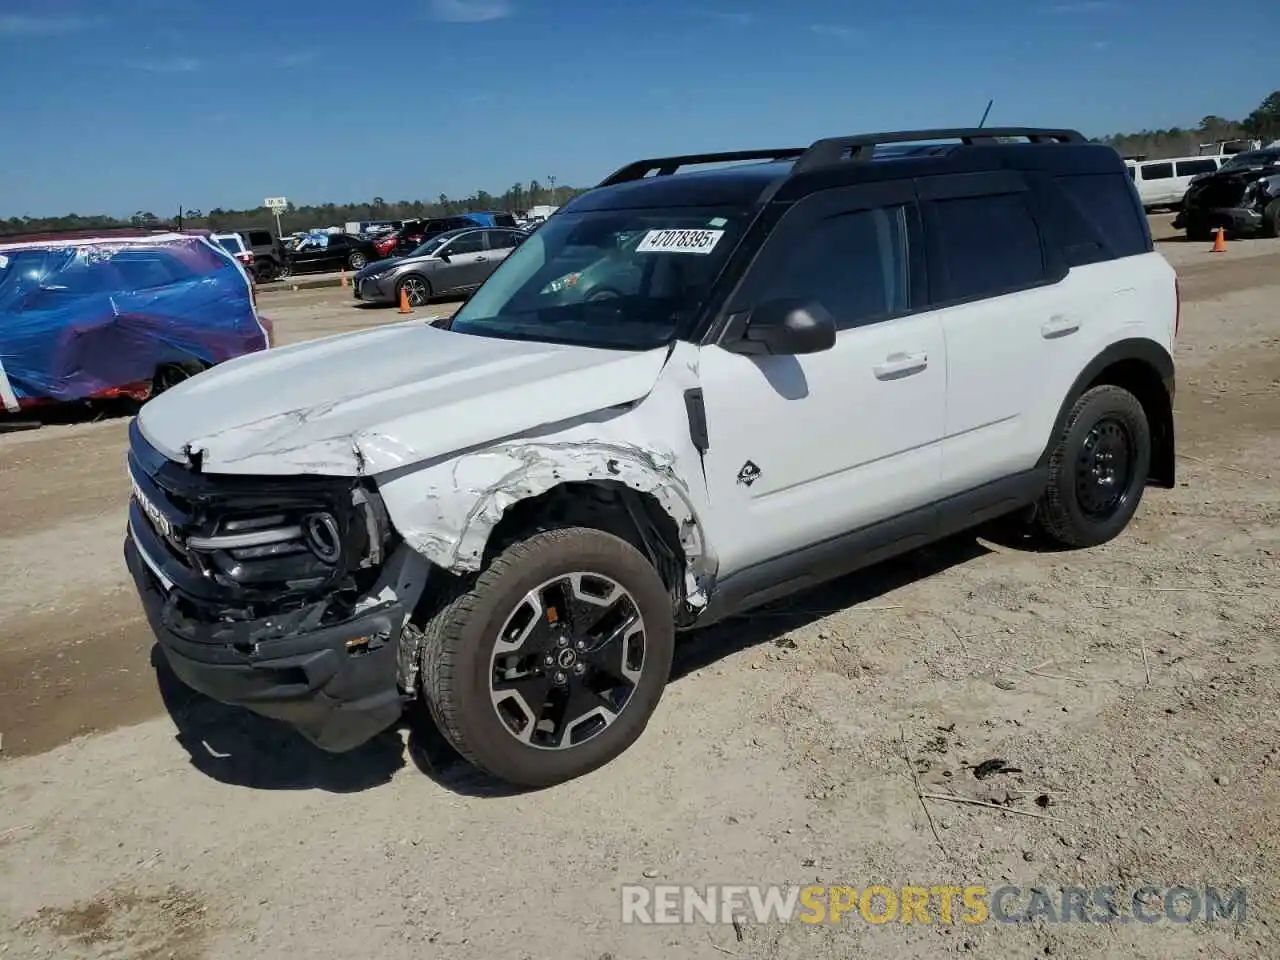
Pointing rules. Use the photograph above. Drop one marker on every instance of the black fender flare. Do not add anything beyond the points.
(1159, 362)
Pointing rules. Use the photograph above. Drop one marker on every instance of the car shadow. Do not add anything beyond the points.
(64, 414)
(235, 746)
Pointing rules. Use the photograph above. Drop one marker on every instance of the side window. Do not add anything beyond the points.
(1189, 168)
(501, 240)
(1107, 204)
(855, 264)
(337, 242)
(143, 270)
(467, 243)
(259, 238)
(989, 244)
(1133, 173)
(1157, 171)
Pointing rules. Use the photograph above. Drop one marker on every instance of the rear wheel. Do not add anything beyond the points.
(1098, 469)
(551, 663)
(357, 260)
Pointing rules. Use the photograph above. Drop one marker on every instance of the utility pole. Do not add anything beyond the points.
(551, 179)
(179, 218)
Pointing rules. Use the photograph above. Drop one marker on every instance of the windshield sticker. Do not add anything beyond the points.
(680, 241)
(717, 222)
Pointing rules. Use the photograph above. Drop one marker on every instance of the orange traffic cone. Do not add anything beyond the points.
(1220, 241)
(344, 276)
(404, 301)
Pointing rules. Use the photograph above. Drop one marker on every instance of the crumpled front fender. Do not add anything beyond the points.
(447, 511)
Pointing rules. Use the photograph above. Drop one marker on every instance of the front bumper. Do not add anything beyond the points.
(382, 290)
(336, 685)
(1241, 221)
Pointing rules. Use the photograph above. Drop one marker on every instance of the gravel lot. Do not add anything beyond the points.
(1132, 685)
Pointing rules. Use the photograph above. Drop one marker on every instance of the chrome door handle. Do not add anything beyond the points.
(898, 365)
(1059, 326)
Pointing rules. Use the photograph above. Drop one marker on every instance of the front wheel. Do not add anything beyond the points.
(1098, 469)
(357, 260)
(416, 290)
(1271, 219)
(552, 663)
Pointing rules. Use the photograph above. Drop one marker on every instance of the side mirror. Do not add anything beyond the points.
(443, 255)
(787, 327)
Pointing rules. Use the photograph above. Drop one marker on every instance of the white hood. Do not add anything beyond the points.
(368, 402)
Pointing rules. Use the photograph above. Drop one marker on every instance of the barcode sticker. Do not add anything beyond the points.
(680, 241)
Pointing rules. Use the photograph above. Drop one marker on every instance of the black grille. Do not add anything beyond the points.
(246, 543)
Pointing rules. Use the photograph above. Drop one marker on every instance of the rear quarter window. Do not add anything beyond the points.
(1097, 217)
(1189, 168)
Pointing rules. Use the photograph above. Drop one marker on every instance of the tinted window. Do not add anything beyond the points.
(1133, 173)
(1157, 171)
(337, 243)
(143, 269)
(989, 244)
(259, 238)
(1189, 168)
(504, 220)
(466, 243)
(501, 240)
(1099, 212)
(854, 264)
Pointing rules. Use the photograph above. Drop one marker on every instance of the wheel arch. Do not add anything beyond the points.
(415, 275)
(1144, 368)
(462, 512)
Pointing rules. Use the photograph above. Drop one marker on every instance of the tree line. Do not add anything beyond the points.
(516, 199)
(1263, 123)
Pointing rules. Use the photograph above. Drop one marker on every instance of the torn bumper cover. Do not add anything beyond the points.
(335, 685)
(288, 598)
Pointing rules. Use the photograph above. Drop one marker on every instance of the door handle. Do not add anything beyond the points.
(1059, 326)
(481, 259)
(898, 365)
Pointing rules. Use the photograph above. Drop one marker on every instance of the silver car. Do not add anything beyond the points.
(454, 262)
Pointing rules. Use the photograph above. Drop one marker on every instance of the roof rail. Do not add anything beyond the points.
(835, 150)
(665, 166)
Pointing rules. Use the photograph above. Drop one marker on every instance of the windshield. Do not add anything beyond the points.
(624, 279)
(432, 245)
(1254, 158)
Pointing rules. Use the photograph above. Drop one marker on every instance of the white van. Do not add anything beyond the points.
(1163, 183)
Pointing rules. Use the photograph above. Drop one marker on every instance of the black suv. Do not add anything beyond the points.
(268, 253)
(1243, 198)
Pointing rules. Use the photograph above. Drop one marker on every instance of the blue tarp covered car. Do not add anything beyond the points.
(118, 316)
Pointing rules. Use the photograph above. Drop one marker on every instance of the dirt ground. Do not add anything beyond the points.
(1130, 687)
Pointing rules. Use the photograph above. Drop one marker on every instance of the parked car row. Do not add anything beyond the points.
(454, 262)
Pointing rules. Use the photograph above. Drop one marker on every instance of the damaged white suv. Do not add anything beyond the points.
(686, 395)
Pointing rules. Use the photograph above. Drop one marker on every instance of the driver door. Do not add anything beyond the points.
(814, 457)
(467, 264)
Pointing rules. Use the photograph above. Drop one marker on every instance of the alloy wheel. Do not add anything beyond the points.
(567, 661)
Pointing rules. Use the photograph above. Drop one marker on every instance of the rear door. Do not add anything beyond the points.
(498, 246)
(992, 278)
(1156, 183)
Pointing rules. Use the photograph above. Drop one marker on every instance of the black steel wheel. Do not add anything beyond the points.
(1098, 468)
(550, 664)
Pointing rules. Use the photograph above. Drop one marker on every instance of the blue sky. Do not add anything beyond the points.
(147, 104)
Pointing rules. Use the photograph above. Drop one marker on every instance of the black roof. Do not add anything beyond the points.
(788, 173)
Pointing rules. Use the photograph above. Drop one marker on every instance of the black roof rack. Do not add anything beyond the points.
(665, 166)
(835, 150)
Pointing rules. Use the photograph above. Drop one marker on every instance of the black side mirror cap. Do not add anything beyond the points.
(786, 327)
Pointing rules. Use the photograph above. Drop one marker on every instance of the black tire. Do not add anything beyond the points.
(357, 260)
(1077, 510)
(1198, 232)
(1271, 219)
(410, 281)
(459, 648)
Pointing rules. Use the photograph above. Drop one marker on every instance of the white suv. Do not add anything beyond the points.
(684, 396)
